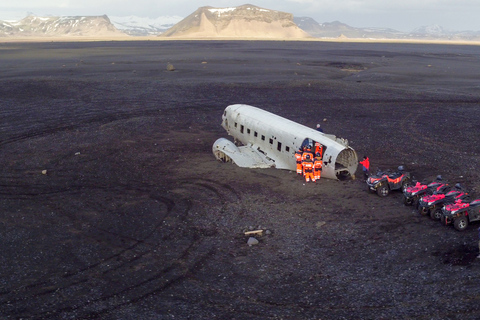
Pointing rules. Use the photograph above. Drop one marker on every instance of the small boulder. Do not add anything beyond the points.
(320, 224)
(252, 241)
(170, 67)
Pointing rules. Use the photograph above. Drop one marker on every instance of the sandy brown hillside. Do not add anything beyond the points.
(246, 21)
(78, 26)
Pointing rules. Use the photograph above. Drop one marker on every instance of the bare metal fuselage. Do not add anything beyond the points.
(271, 141)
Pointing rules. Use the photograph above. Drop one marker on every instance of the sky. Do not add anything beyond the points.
(401, 15)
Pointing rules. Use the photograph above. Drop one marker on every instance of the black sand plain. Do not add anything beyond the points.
(112, 205)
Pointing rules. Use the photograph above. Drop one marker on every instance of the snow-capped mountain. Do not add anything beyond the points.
(141, 26)
(245, 21)
(115, 26)
(434, 29)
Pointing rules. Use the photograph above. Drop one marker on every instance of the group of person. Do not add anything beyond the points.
(309, 162)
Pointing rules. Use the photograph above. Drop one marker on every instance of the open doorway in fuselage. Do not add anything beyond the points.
(315, 146)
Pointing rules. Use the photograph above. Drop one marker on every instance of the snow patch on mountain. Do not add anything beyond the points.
(141, 26)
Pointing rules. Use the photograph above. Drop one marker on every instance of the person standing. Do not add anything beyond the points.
(317, 166)
(366, 166)
(308, 168)
(307, 152)
(298, 160)
(318, 149)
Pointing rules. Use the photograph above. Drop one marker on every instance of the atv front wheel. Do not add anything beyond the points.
(383, 190)
(405, 185)
(422, 210)
(436, 213)
(461, 223)
(407, 201)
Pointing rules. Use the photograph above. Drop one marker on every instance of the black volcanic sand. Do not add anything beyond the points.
(135, 219)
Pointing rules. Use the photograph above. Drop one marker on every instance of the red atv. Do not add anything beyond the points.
(383, 182)
(412, 194)
(461, 213)
(434, 203)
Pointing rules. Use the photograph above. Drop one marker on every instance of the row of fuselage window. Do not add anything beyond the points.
(255, 134)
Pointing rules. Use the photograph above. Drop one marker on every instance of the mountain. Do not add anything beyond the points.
(139, 26)
(337, 29)
(437, 32)
(243, 22)
(79, 26)
(246, 21)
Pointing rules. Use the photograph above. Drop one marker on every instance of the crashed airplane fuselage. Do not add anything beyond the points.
(271, 141)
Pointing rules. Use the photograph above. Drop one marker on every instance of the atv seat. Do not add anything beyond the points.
(395, 175)
(475, 202)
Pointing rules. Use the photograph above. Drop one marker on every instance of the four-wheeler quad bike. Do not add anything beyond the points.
(434, 203)
(383, 182)
(412, 194)
(461, 213)
(422, 208)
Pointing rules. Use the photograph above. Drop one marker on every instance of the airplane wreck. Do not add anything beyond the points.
(266, 140)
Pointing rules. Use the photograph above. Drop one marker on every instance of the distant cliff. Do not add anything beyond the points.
(246, 21)
(33, 26)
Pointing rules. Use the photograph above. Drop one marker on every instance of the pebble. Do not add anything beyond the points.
(252, 241)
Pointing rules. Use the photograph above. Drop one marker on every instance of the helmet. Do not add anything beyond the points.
(317, 154)
(401, 168)
(308, 156)
(439, 177)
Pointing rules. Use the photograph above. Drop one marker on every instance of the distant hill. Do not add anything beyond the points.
(337, 29)
(140, 26)
(246, 21)
(79, 26)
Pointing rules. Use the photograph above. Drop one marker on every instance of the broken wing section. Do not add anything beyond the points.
(244, 156)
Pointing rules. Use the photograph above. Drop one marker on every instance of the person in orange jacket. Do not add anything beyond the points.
(318, 149)
(307, 151)
(366, 167)
(317, 166)
(308, 169)
(298, 160)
